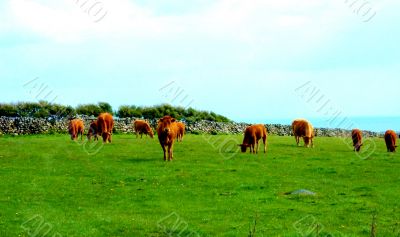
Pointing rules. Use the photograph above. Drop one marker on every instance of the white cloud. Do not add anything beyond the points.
(256, 20)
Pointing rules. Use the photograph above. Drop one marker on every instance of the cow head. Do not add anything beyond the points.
(73, 135)
(91, 132)
(150, 132)
(243, 147)
(307, 141)
(392, 148)
(358, 146)
(72, 132)
(165, 123)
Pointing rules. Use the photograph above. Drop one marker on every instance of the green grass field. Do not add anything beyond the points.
(52, 186)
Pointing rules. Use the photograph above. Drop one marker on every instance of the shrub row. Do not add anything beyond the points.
(44, 109)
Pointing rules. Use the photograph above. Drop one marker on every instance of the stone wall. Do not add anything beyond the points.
(26, 125)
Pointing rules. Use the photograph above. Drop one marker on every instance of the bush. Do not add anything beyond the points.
(8, 110)
(93, 109)
(44, 109)
(180, 113)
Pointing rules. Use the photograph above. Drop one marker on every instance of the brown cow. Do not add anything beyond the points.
(167, 131)
(105, 125)
(93, 131)
(181, 130)
(390, 139)
(252, 135)
(75, 128)
(356, 136)
(142, 127)
(303, 128)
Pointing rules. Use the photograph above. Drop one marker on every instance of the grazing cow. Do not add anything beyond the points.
(303, 128)
(252, 135)
(142, 127)
(167, 131)
(93, 131)
(105, 125)
(181, 130)
(75, 128)
(356, 136)
(390, 139)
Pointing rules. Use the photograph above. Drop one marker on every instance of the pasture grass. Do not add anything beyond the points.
(126, 189)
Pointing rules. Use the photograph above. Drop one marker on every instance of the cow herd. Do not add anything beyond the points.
(390, 140)
(169, 130)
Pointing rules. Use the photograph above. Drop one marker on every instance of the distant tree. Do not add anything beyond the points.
(28, 109)
(105, 107)
(88, 109)
(44, 109)
(8, 110)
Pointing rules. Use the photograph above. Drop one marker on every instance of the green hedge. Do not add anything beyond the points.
(44, 109)
(159, 111)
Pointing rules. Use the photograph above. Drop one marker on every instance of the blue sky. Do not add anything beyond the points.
(242, 59)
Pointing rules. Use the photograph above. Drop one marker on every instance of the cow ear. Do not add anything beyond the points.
(173, 120)
(161, 119)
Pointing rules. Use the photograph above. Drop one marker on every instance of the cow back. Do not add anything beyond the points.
(105, 123)
(390, 139)
(302, 128)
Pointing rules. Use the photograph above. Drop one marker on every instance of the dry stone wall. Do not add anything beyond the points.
(26, 125)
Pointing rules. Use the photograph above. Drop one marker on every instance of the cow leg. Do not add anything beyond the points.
(258, 147)
(265, 144)
(104, 136)
(109, 137)
(165, 152)
(170, 152)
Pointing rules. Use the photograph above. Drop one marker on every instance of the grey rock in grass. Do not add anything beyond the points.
(303, 192)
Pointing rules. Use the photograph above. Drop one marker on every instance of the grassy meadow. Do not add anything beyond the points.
(52, 186)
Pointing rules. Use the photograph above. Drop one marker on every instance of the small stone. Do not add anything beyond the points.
(302, 192)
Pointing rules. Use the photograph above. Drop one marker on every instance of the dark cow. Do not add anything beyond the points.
(390, 139)
(105, 125)
(356, 136)
(93, 131)
(252, 135)
(75, 128)
(167, 131)
(142, 127)
(303, 128)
